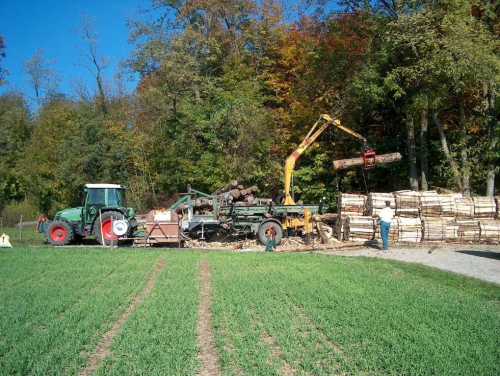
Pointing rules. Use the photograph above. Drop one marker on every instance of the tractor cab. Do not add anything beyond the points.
(98, 197)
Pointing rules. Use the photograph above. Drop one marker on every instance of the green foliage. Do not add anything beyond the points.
(12, 213)
(15, 132)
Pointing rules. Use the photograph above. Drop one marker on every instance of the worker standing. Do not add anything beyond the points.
(41, 225)
(385, 217)
(271, 239)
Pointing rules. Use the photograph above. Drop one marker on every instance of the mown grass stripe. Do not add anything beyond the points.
(208, 355)
(102, 349)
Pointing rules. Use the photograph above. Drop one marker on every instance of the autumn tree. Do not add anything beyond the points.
(92, 60)
(42, 77)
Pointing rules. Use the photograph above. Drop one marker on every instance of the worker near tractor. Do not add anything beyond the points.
(41, 225)
(385, 217)
(271, 239)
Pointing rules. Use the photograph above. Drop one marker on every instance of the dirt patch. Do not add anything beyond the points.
(208, 355)
(481, 261)
(286, 368)
(103, 348)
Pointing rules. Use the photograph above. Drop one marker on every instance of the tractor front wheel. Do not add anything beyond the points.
(103, 229)
(59, 233)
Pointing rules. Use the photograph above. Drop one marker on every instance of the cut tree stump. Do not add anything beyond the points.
(343, 164)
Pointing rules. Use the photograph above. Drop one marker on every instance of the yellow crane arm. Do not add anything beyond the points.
(308, 140)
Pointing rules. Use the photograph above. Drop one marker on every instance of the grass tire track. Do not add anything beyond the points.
(208, 355)
(102, 350)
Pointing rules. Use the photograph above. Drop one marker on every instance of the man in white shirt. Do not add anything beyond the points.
(385, 218)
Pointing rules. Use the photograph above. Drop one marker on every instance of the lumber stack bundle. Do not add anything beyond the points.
(468, 230)
(340, 227)
(489, 230)
(438, 229)
(359, 228)
(393, 231)
(433, 204)
(407, 203)
(484, 207)
(410, 230)
(465, 207)
(350, 204)
(376, 202)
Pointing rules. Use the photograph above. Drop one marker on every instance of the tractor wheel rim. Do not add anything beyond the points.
(106, 230)
(58, 233)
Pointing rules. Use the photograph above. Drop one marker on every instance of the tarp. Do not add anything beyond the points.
(5, 241)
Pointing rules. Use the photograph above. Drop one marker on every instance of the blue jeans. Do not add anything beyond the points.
(384, 233)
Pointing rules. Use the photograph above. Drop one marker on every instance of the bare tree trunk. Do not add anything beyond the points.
(444, 144)
(412, 153)
(463, 149)
(489, 97)
(424, 166)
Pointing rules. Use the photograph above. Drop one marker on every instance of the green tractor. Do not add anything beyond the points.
(104, 214)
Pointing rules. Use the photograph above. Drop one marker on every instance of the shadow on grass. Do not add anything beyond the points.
(485, 254)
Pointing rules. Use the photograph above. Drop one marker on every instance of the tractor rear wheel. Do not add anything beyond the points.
(263, 231)
(59, 233)
(103, 230)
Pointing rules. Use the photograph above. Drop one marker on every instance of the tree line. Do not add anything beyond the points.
(228, 89)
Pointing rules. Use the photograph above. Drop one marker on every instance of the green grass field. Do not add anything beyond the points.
(272, 313)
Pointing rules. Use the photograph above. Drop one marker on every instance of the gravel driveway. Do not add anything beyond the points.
(480, 261)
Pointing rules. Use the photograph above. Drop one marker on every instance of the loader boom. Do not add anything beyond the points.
(312, 135)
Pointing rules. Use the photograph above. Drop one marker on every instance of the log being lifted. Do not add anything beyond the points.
(343, 164)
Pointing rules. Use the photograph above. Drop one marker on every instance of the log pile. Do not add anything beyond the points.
(489, 230)
(376, 202)
(359, 228)
(233, 193)
(468, 230)
(465, 207)
(484, 207)
(433, 204)
(410, 230)
(407, 204)
(350, 204)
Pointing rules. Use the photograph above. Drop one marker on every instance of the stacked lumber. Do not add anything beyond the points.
(468, 230)
(359, 228)
(410, 230)
(393, 231)
(433, 204)
(465, 207)
(484, 207)
(451, 230)
(489, 230)
(438, 229)
(376, 202)
(350, 204)
(340, 227)
(407, 203)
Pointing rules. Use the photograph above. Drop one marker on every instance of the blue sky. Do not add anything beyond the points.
(29, 25)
